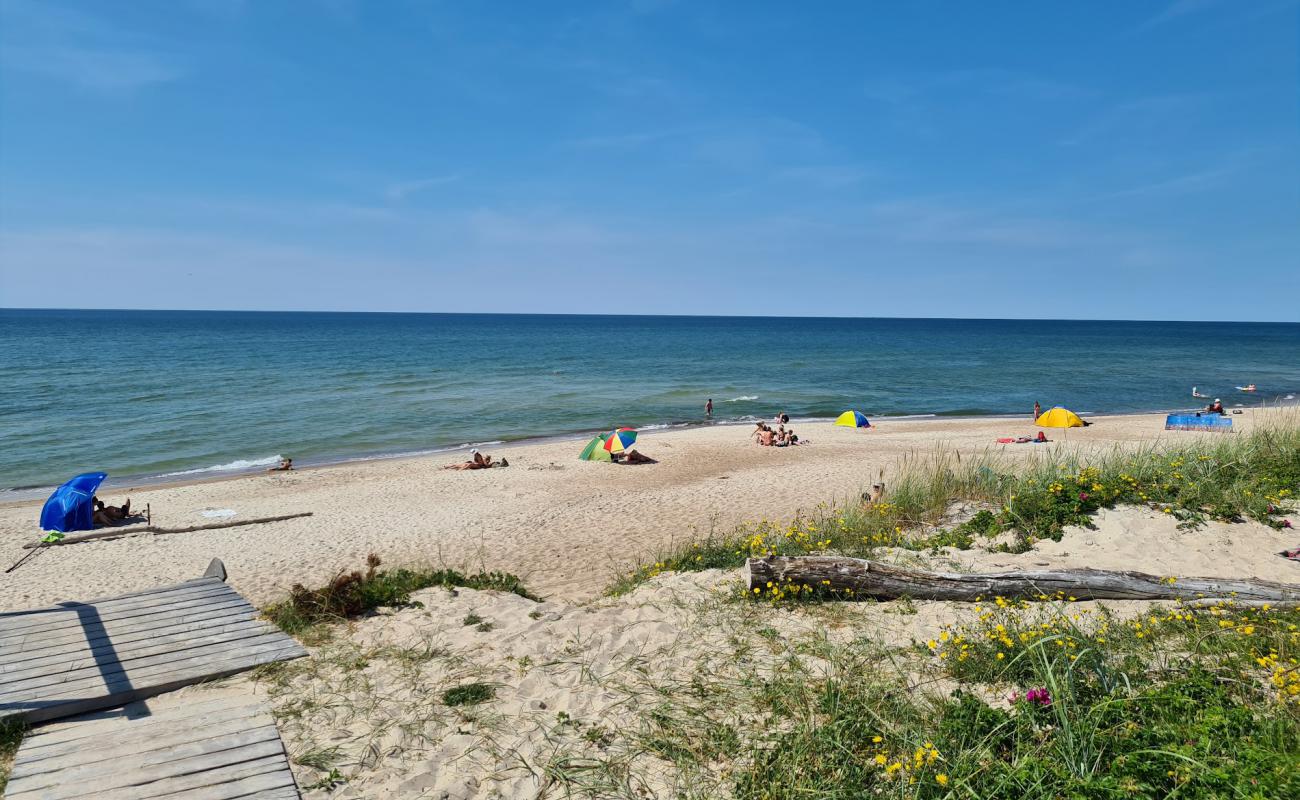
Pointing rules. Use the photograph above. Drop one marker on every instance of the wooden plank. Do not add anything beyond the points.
(89, 736)
(33, 648)
(74, 615)
(152, 618)
(252, 786)
(186, 785)
(143, 711)
(186, 759)
(82, 699)
(90, 743)
(64, 664)
(118, 601)
(168, 735)
(90, 616)
(107, 667)
(131, 671)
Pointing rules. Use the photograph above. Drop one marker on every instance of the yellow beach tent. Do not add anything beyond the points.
(1059, 418)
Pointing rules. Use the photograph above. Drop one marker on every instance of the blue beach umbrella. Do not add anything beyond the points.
(70, 507)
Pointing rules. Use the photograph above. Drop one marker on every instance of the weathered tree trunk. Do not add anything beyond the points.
(872, 579)
(130, 530)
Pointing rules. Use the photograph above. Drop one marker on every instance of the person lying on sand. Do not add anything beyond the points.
(1039, 439)
(286, 464)
(478, 461)
(633, 457)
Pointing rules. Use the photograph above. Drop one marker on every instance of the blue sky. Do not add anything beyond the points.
(1136, 160)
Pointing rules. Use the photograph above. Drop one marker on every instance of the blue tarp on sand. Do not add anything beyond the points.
(70, 507)
(1197, 422)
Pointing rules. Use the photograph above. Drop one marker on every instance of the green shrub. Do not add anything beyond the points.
(352, 594)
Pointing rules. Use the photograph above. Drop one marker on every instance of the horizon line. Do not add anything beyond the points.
(642, 316)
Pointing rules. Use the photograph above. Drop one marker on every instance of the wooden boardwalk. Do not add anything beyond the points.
(76, 657)
(204, 745)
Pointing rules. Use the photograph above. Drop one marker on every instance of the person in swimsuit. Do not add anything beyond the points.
(286, 464)
(478, 461)
(708, 408)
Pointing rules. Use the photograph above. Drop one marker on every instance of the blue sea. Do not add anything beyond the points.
(186, 394)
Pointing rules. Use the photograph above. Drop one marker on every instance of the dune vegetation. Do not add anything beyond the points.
(1229, 478)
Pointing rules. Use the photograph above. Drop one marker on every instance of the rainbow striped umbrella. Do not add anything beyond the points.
(619, 439)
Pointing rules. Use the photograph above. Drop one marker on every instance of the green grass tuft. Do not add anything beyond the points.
(352, 594)
(468, 694)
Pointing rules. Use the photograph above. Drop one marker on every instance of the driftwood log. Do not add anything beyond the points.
(882, 581)
(131, 530)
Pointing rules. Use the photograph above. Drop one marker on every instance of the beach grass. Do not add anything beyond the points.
(308, 612)
(1038, 701)
(12, 730)
(1255, 475)
(1171, 704)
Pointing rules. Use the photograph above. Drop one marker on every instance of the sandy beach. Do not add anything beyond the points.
(565, 526)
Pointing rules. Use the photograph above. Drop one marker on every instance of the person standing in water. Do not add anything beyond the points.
(708, 408)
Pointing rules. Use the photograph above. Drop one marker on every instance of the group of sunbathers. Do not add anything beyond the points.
(478, 461)
(780, 437)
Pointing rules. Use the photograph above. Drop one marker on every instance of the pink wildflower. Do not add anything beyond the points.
(1039, 696)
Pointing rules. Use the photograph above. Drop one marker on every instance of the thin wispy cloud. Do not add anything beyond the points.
(622, 141)
(1141, 114)
(899, 89)
(1175, 10)
(1177, 185)
(92, 68)
(936, 223)
(80, 49)
(826, 176)
(403, 190)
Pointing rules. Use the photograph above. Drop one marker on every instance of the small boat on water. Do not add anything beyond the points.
(1250, 387)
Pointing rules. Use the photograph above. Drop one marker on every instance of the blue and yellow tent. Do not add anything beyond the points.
(853, 419)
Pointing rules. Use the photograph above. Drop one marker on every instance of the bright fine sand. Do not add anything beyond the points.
(565, 526)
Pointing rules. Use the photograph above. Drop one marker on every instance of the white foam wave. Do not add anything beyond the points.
(742, 399)
(233, 466)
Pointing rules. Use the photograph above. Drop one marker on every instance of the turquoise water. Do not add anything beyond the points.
(188, 394)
